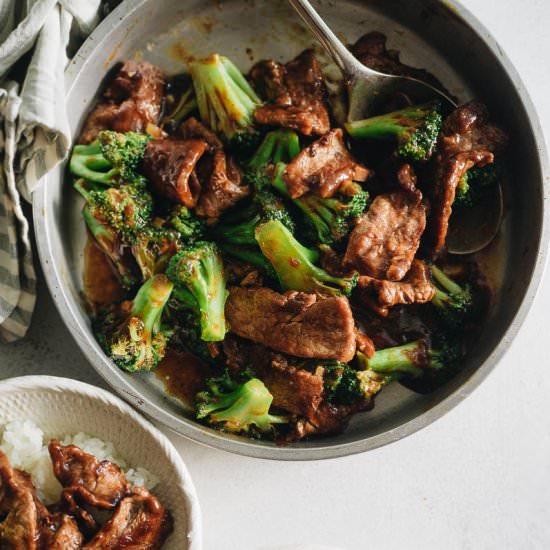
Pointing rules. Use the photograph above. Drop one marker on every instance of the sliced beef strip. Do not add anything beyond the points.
(297, 92)
(415, 288)
(222, 185)
(385, 240)
(323, 167)
(86, 482)
(371, 50)
(328, 419)
(140, 522)
(20, 510)
(131, 101)
(170, 165)
(192, 128)
(60, 532)
(295, 390)
(467, 139)
(300, 324)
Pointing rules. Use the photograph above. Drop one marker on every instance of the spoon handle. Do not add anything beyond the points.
(332, 44)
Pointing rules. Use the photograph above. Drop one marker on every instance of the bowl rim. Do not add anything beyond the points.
(66, 303)
(106, 398)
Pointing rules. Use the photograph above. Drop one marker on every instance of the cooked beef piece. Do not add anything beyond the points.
(223, 186)
(195, 129)
(328, 419)
(297, 93)
(87, 482)
(60, 532)
(406, 178)
(323, 167)
(364, 344)
(140, 522)
(300, 324)
(20, 510)
(131, 101)
(466, 140)
(371, 50)
(415, 288)
(295, 390)
(268, 78)
(385, 240)
(169, 164)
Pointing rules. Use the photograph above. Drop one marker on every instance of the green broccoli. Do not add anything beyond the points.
(113, 158)
(415, 129)
(341, 383)
(152, 248)
(239, 227)
(199, 269)
(277, 147)
(226, 100)
(116, 250)
(294, 263)
(126, 209)
(237, 407)
(137, 341)
(189, 227)
(411, 359)
(474, 182)
(453, 302)
(332, 218)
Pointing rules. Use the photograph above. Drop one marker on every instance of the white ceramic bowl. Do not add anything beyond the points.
(61, 406)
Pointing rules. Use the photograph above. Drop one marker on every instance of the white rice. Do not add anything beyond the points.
(26, 447)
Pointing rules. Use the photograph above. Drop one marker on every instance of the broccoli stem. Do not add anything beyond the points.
(88, 162)
(150, 300)
(402, 359)
(225, 99)
(294, 263)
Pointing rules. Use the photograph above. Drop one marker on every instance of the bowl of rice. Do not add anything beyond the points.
(36, 409)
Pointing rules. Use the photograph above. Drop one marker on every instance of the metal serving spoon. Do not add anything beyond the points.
(367, 89)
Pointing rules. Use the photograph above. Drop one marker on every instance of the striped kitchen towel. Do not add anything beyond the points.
(34, 132)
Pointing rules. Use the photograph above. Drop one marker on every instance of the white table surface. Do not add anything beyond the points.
(479, 478)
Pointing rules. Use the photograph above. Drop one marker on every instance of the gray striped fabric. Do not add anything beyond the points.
(34, 134)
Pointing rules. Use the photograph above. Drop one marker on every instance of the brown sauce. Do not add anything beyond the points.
(101, 283)
(183, 375)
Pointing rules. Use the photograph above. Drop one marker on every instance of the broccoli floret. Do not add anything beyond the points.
(126, 208)
(278, 146)
(474, 182)
(199, 269)
(238, 228)
(113, 158)
(453, 302)
(341, 383)
(137, 341)
(332, 218)
(189, 227)
(294, 263)
(415, 129)
(226, 100)
(116, 250)
(237, 408)
(152, 248)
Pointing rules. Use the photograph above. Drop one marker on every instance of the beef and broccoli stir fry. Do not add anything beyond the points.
(300, 263)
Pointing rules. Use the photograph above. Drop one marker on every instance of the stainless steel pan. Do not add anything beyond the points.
(439, 35)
